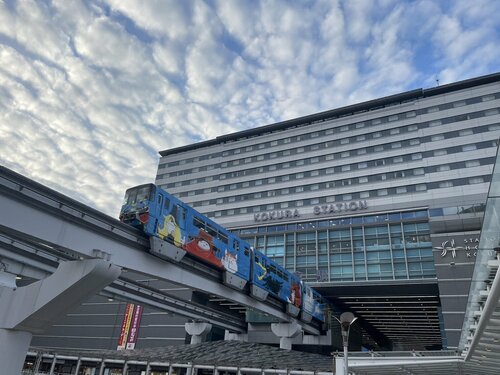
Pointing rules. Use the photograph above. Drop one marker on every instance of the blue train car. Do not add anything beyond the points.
(313, 305)
(160, 214)
(268, 277)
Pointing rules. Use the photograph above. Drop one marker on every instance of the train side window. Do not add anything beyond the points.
(236, 245)
(199, 223)
(180, 216)
(272, 269)
(160, 198)
(211, 231)
(166, 204)
(223, 237)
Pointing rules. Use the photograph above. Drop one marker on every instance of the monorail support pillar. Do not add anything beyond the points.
(286, 332)
(198, 331)
(325, 340)
(231, 336)
(31, 309)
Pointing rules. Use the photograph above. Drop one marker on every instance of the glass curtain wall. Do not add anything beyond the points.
(376, 247)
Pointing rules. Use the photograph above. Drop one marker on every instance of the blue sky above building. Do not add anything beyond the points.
(90, 91)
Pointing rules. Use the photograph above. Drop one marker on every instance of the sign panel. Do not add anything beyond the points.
(324, 209)
(127, 318)
(457, 247)
(134, 328)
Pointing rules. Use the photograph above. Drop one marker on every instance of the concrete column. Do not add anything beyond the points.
(318, 340)
(148, 368)
(339, 366)
(230, 336)
(31, 309)
(286, 331)
(15, 345)
(125, 368)
(198, 331)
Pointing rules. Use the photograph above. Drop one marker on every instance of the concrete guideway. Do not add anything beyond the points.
(30, 309)
(52, 218)
(26, 256)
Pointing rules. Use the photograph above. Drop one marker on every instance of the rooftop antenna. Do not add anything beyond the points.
(437, 81)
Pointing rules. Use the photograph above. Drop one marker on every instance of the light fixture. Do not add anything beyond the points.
(345, 320)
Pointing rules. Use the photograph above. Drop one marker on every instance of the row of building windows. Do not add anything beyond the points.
(327, 185)
(340, 155)
(354, 181)
(408, 189)
(343, 169)
(345, 128)
(350, 153)
(396, 249)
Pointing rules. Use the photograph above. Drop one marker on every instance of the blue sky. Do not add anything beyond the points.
(90, 91)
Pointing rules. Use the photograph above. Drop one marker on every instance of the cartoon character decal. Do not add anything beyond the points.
(230, 262)
(268, 280)
(273, 284)
(203, 247)
(263, 270)
(170, 231)
(295, 295)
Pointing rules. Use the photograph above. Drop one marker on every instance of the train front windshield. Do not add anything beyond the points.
(138, 194)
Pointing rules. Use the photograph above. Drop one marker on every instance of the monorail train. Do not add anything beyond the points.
(162, 216)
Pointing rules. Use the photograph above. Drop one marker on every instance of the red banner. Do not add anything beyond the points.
(127, 318)
(134, 328)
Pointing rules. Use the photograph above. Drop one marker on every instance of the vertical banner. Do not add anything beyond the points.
(134, 328)
(127, 318)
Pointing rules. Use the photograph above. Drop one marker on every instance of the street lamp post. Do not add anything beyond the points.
(345, 320)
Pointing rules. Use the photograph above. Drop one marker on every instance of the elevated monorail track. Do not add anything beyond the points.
(40, 227)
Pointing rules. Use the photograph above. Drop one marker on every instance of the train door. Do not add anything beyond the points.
(155, 212)
(158, 205)
(242, 255)
(181, 216)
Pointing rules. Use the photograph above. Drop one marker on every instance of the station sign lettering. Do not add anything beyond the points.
(326, 209)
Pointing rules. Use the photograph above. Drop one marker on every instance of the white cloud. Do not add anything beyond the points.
(107, 45)
(168, 18)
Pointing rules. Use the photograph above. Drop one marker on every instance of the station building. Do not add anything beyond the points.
(377, 204)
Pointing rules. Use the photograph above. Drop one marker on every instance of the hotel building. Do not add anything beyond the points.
(377, 204)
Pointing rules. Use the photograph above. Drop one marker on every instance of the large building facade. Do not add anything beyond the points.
(379, 204)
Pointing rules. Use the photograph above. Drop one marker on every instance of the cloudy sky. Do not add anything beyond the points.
(90, 91)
